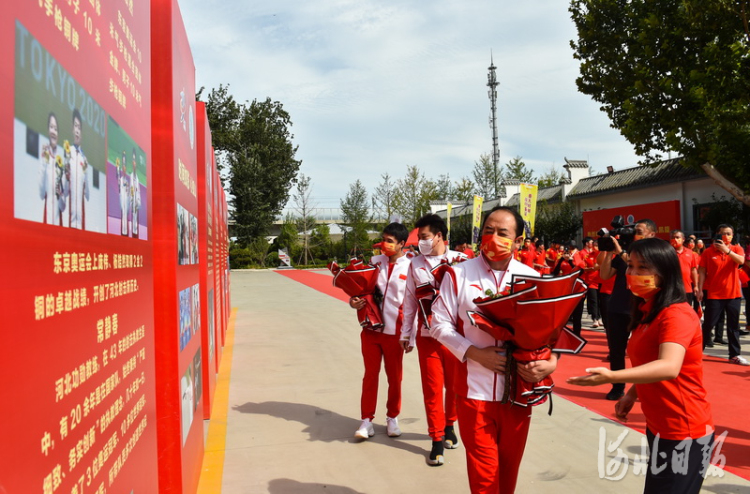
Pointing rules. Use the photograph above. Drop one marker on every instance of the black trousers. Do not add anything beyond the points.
(592, 303)
(687, 478)
(604, 306)
(714, 310)
(577, 316)
(617, 341)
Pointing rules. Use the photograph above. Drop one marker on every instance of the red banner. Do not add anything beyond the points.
(665, 214)
(177, 298)
(79, 408)
(206, 254)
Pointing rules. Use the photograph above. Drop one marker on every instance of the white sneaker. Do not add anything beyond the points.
(392, 427)
(365, 431)
(739, 360)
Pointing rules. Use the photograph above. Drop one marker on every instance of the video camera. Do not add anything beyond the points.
(624, 234)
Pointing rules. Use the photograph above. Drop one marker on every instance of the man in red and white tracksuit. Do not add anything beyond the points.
(494, 433)
(436, 364)
(383, 345)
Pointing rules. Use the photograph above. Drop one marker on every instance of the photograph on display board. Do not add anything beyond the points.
(186, 319)
(59, 169)
(187, 233)
(198, 379)
(188, 402)
(126, 184)
(211, 304)
(196, 308)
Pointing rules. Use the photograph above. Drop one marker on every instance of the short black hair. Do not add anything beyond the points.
(399, 231)
(661, 257)
(77, 115)
(676, 231)
(651, 224)
(435, 222)
(50, 117)
(516, 216)
(587, 240)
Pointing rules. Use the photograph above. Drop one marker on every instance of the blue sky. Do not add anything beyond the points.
(374, 86)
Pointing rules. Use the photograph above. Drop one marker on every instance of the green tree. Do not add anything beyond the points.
(557, 221)
(463, 191)
(488, 178)
(356, 218)
(384, 200)
(444, 188)
(305, 220)
(551, 177)
(672, 76)
(414, 193)
(288, 236)
(320, 241)
(255, 144)
(723, 210)
(516, 169)
(224, 115)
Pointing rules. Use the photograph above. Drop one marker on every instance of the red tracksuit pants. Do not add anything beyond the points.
(494, 435)
(436, 365)
(376, 348)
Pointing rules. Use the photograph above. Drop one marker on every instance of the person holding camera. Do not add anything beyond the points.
(618, 317)
(718, 274)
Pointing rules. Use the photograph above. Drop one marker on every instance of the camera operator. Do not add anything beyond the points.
(718, 271)
(618, 317)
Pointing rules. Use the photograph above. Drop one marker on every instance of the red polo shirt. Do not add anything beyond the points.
(676, 408)
(722, 273)
(687, 263)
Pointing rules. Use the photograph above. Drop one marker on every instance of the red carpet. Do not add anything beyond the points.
(728, 386)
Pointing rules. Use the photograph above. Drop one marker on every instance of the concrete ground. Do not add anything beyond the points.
(294, 406)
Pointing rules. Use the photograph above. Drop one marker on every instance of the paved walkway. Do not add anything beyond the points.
(293, 405)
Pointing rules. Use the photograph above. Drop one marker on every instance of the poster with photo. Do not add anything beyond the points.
(186, 319)
(188, 402)
(187, 237)
(198, 379)
(126, 184)
(59, 171)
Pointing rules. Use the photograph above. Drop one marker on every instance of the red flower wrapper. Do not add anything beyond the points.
(531, 319)
(426, 291)
(358, 279)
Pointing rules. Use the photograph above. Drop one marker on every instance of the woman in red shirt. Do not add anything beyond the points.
(665, 350)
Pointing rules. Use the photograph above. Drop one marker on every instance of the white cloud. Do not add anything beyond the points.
(374, 86)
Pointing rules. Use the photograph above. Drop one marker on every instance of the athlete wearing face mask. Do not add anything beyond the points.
(436, 364)
(494, 433)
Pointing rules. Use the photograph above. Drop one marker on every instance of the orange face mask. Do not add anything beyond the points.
(643, 286)
(676, 243)
(496, 248)
(388, 249)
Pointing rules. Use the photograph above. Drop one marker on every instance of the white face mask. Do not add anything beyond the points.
(425, 247)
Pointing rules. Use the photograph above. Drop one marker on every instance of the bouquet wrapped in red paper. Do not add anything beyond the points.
(358, 279)
(530, 316)
(426, 290)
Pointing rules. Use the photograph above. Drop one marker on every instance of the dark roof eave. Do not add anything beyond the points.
(631, 187)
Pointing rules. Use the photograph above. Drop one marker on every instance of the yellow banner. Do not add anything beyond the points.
(476, 221)
(527, 206)
(448, 223)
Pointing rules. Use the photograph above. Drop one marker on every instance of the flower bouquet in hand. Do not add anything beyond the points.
(530, 316)
(358, 279)
(427, 283)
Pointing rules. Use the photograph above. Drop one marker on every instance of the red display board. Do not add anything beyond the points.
(206, 255)
(177, 300)
(79, 391)
(217, 252)
(665, 214)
